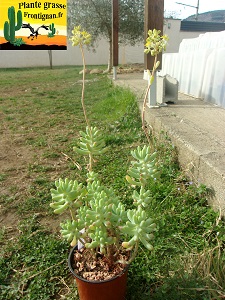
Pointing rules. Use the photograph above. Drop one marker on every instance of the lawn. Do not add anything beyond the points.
(40, 119)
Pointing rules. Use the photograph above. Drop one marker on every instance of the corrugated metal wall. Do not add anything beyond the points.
(201, 26)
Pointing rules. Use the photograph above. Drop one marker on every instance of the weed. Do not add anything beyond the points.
(3, 177)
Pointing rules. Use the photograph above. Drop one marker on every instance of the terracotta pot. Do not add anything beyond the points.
(112, 289)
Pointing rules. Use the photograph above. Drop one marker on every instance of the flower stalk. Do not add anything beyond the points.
(155, 44)
(81, 38)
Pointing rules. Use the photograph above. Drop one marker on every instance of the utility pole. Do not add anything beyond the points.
(197, 8)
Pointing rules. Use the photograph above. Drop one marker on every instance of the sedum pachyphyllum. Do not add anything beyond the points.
(155, 42)
(91, 143)
(80, 37)
(140, 226)
(99, 220)
(154, 45)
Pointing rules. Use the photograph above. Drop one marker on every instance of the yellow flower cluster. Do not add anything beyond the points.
(155, 43)
(80, 37)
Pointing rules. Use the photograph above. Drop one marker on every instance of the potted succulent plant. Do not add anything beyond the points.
(104, 234)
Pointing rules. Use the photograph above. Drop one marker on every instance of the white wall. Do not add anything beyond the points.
(37, 58)
(72, 56)
(172, 29)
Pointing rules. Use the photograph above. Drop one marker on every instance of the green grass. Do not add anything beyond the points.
(41, 116)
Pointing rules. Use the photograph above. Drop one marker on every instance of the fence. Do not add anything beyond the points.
(199, 66)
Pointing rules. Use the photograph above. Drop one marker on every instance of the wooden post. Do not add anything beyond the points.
(154, 17)
(115, 31)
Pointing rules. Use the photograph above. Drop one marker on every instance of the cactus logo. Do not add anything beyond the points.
(38, 25)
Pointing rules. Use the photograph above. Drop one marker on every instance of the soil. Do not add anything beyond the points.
(130, 68)
(15, 157)
(97, 267)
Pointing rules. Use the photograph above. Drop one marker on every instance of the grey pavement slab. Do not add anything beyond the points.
(196, 128)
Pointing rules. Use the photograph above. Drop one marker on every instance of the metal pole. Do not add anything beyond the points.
(152, 96)
(197, 8)
(114, 73)
(115, 29)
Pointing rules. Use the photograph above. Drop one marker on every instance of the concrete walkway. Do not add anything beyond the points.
(196, 128)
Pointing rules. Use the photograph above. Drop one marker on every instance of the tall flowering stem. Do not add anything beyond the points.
(155, 44)
(99, 219)
(81, 38)
(91, 142)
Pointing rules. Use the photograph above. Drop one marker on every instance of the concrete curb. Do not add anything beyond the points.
(197, 129)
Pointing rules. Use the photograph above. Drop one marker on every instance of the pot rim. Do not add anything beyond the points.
(91, 281)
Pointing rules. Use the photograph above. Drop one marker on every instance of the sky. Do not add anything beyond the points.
(183, 12)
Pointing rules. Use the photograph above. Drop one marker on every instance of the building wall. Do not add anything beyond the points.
(37, 58)
(172, 29)
(72, 56)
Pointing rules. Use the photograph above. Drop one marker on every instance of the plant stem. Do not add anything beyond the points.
(72, 214)
(134, 253)
(83, 104)
(146, 98)
(83, 86)
(90, 162)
